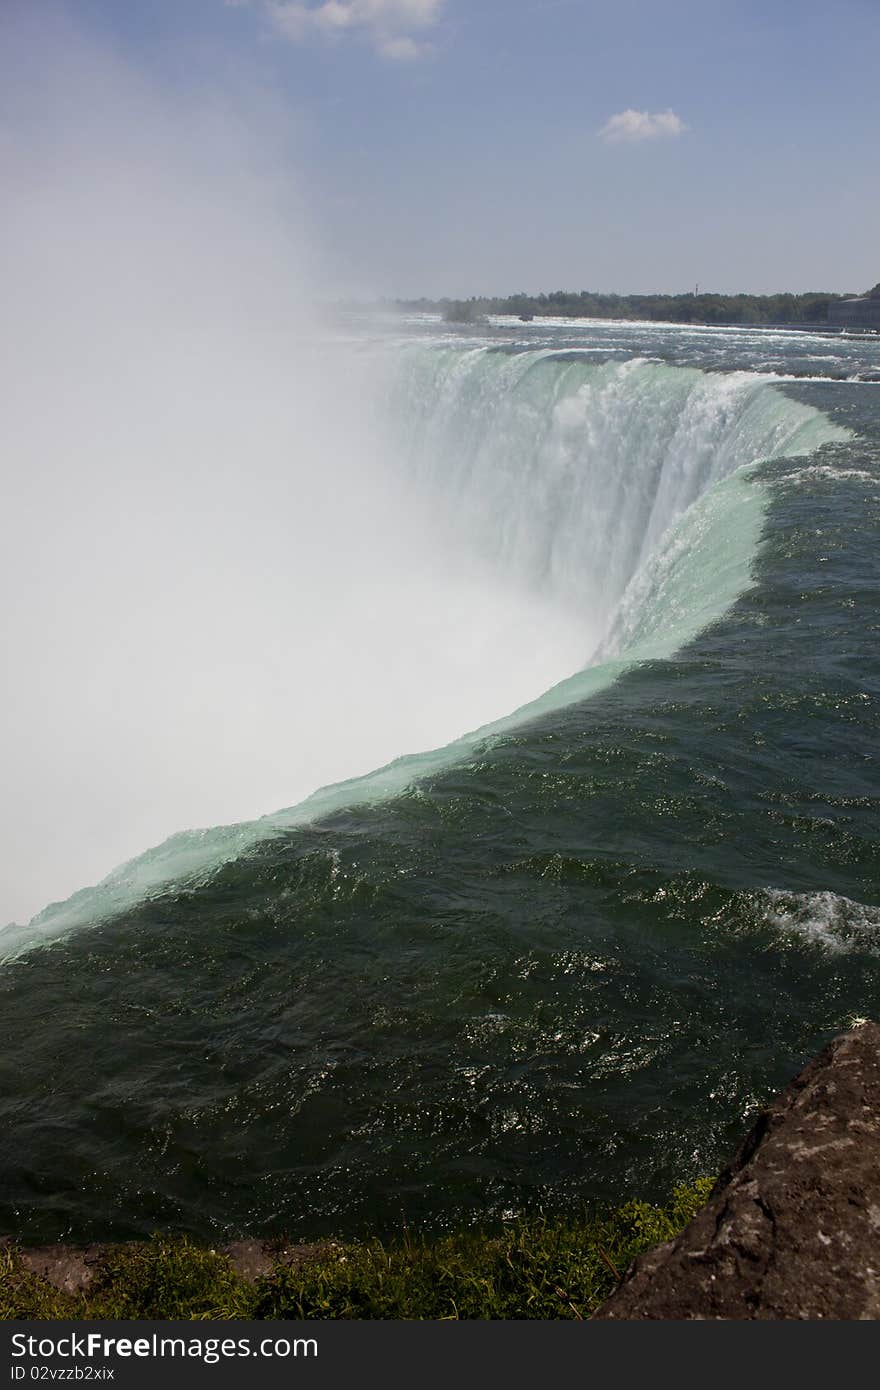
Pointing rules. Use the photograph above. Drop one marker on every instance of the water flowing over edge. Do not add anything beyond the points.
(635, 476)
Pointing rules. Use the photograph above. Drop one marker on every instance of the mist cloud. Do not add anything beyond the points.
(217, 593)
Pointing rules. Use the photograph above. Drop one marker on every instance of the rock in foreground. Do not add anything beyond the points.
(792, 1228)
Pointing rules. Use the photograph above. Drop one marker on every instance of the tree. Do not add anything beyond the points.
(463, 311)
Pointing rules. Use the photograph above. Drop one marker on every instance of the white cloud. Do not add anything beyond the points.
(390, 25)
(402, 50)
(642, 125)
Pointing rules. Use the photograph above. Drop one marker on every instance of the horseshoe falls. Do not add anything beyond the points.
(563, 949)
(572, 487)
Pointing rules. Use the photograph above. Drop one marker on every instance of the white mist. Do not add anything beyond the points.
(217, 598)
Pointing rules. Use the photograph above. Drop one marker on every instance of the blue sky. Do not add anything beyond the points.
(454, 146)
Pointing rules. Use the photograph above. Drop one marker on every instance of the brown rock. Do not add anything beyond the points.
(792, 1228)
(249, 1258)
(66, 1267)
(254, 1259)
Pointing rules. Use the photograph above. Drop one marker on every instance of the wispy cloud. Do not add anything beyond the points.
(394, 28)
(633, 125)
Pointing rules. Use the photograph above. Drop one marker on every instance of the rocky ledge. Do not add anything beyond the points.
(792, 1227)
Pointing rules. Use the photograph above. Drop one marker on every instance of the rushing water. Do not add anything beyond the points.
(567, 956)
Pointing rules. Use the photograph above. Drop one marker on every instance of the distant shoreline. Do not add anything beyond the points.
(805, 312)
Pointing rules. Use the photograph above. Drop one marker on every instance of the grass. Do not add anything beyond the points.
(531, 1268)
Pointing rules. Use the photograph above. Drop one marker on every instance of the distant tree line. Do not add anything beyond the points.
(811, 307)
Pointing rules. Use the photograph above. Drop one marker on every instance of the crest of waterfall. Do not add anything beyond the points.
(619, 492)
(565, 473)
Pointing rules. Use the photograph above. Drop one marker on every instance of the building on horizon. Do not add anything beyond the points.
(863, 312)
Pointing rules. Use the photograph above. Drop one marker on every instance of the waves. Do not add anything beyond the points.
(620, 494)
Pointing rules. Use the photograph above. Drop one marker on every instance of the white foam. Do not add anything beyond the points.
(825, 919)
(826, 472)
